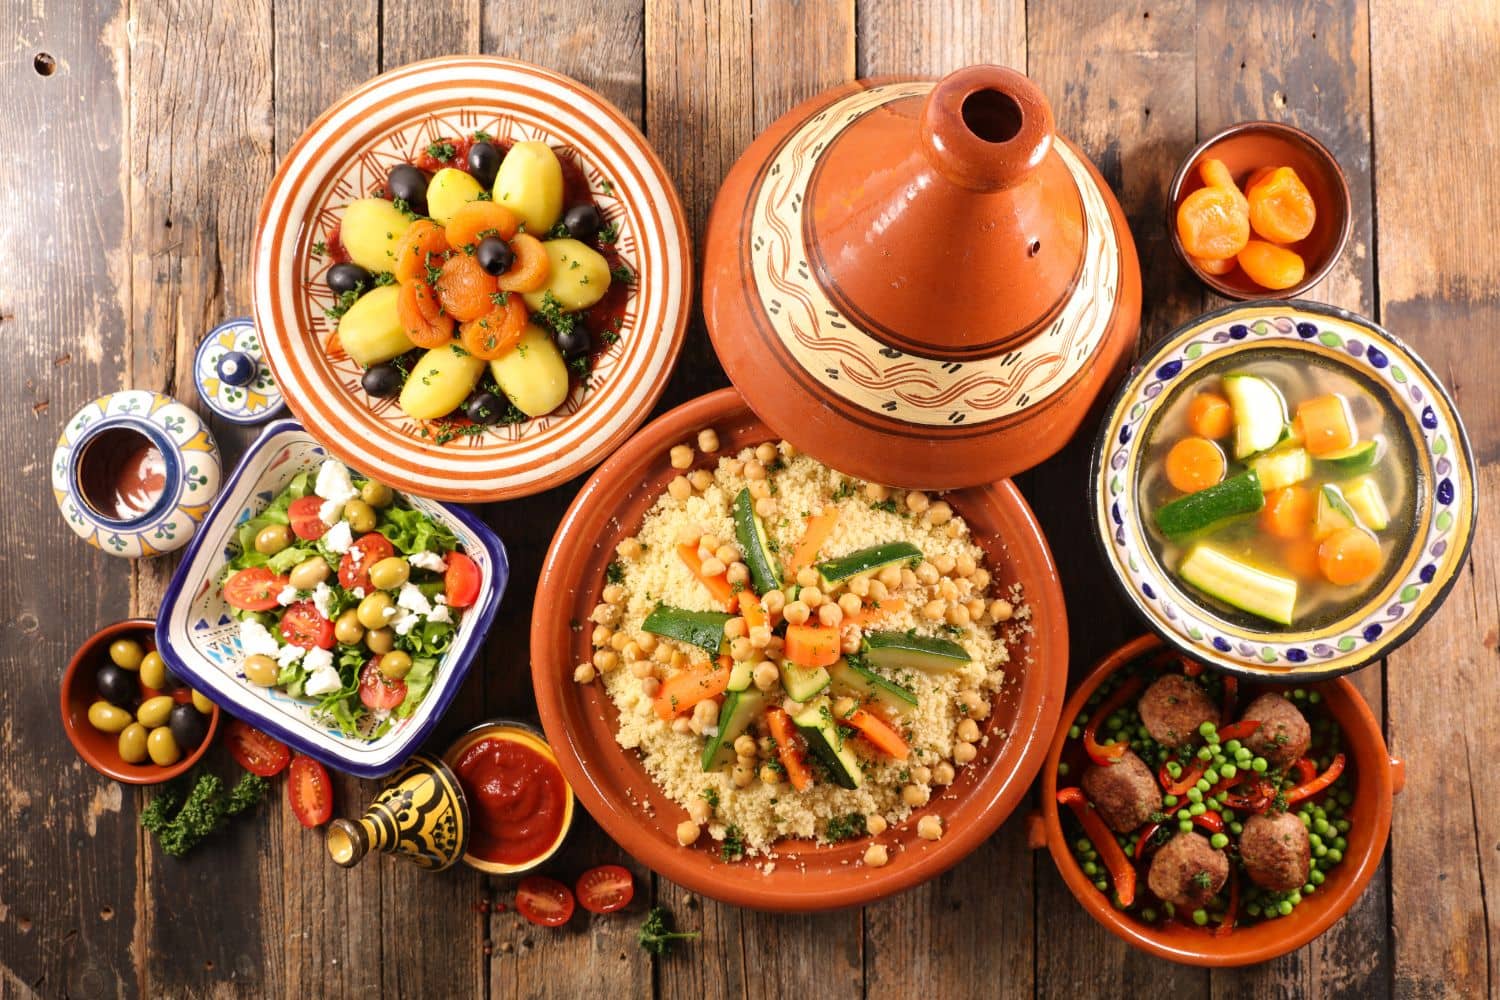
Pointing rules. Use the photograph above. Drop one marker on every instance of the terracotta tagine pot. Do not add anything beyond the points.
(920, 283)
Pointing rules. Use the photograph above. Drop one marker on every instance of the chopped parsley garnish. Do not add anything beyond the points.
(480, 136)
(844, 492)
(552, 314)
(623, 274)
(403, 207)
(559, 231)
(319, 248)
(441, 151)
(606, 186)
(608, 233)
(383, 278)
(344, 304)
(848, 827)
(734, 844)
(614, 572)
(711, 796)
(888, 505)
(500, 298)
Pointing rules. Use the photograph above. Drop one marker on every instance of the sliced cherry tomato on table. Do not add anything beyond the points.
(367, 550)
(303, 625)
(605, 889)
(254, 589)
(461, 580)
(310, 791)
(378, 691)
(307, 521)
(255, 751)
(544, 901)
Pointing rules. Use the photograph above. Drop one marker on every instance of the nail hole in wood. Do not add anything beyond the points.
(1034, 248)
(44, 64)
(992, 115)
(167, 223)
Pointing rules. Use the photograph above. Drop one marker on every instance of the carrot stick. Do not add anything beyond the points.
(819, 527)
(874, 729)
(1120, 871)
(876, 611)
(787, 751)
(717, 585)
(812, 646)
(687, 688)
(751, 610)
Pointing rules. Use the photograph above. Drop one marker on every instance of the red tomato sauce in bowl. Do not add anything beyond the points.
(520, 804)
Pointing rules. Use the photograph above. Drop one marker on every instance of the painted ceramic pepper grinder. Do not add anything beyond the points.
(421, 815)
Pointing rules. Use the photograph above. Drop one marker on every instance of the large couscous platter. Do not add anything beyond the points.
(831, 691)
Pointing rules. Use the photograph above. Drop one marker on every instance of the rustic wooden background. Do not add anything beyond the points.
(140, 137)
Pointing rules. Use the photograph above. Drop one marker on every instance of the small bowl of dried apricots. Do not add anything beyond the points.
(1261, 210)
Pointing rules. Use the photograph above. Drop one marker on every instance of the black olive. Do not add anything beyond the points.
(188, 726)
(382, 380)
(484, 408)
(410, 185)
(582, 221)
(494, 255)
(484, 163)
(349, 278)
(117, 685)
(574, 343)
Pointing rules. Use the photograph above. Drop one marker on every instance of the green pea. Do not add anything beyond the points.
(1335, 855)
(1284, 907)
(1319, 851)
(126, 653)
(1233, 746)
(1313, 697)
(1316, 876)
(1205, 754)
(1218, 841)
(1185, 826)
(1062, 769)
(1174, 769)
(1184, 814)
(1210, 778)
(1228, 771)
(1148, 915)
(1082, 844)
(1195, 794)
(1200, 917)
(1202, 785)
(1090, 869)
(1259, 765)
(1207, 729)
(1074, 732)
(1236, 828)
(1253, 909)
(1169, 800)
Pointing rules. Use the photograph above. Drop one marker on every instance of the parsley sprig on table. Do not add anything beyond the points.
(204, 812)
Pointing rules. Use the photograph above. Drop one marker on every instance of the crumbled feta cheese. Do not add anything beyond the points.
(333, 482)
(330, 511)
(317, 659)
(358, 592)
(255, 639)
(287, 596)
(288, 655)
(440, 613)
(412, 598)
(388, 612)
(324, 680)
(322, 599)
(406, 622)
(428, 560)
(338, 538)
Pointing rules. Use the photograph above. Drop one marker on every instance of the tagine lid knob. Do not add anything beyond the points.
(232, 376)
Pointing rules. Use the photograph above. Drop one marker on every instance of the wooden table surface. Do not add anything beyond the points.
(142, 136)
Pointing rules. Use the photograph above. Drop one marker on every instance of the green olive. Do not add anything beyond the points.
(376, 494)
(380, 640)
(360, 515)
(133, 743)
(307, 575)
(390, 573)
(109, 718)
(154, 712)
(154, 671)
(347, 629)
(202, 704)
(395, 664)
(372, 610)
(162, 746)
(126, 653)
(261, 669)
(273, 538)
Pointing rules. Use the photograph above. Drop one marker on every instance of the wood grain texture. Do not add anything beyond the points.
(424, 29)
(1436, 104)
(899, 38)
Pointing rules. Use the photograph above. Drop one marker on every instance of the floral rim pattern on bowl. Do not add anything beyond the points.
(1443, 527)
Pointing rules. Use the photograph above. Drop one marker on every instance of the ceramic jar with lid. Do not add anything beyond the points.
(921, 283)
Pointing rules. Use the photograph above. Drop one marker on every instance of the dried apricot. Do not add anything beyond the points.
(1213, 223)
(1216, 174)
(1271, 266)
(423, 320)
(464, 288)
(1281, 208)
(1214, 266)
(424, 244)
(532, 267)
(496, 333)
(477, 219)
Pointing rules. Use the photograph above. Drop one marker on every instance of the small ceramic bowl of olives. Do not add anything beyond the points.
(127, 717)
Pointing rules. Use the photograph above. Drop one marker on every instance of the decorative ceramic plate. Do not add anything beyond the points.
(348, 151)
(199, 637)
(1443, 522)
(612, 782)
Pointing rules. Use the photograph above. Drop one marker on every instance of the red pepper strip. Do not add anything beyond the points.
(1238, 731)
(1144, 838)
(1120, 871)
(1108, 754)
(1231, 692)
(1306, 770)
(1226, 923)
(1191, 667)
(1308, 789)
(1210, 821)
(1256, 801)
(1189, 778)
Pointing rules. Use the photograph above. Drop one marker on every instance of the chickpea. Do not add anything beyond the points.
(700, 811)
(943, 773)
(979, 708)
(162, 746)
(760, 637)
(766, 507)
(630, 548)
(682, 724)
(774, 601)
(844, 707)
(792, 707)
(981, 578)
(601, 635)
(687, 832)
(390, 573)
(939, 513)
(876, 824)
(830, 614)
(963, 753)
(760, 489)
(606, 614)
(741, 649)
(742, 775)
(708, 440)
(850, 604)
(584, 673)
(613, 593)
(726, 554)
(260, 670)
(1001, 610)
(647, 642)
(810, 596)
(930, 828)
(859, 587)
(736, 627)
(968, 731)
(890, 577)
(360, 515)
(662, 654)
(348, 629)
(642, 669)
(700, 480)
(733, 466)
(921, 774)
(876, 492)
(606, 660)
(967, 699)
(807, 576)
(754, 470)
(132, 745)
(914, 795)
(713, 566)
(618, 642)
(927, 573)
(954, 530)
(737, 573)
(850, 639)
(706, 713)
(917, 502)
(770, 775)
(947, 589)
(957, 615)
(395, 665)
(765, 453)
(878, 591)
(776, 647)
(908, 578)
(966, 564)
(744, 745)
(797, 612)
(876, 856)
(650, 686)
(689, 534)
(376, 494)
(933, 610)
(787, 449)
(376, 609)
(681, 456)
(766, 675)
(975, 608)
(680, 488)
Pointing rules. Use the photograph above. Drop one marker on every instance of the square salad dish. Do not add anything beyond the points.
(328, 610)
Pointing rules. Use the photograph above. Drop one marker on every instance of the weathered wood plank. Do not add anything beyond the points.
(1436, 113)
(424, 29)
(68, 872)
(903, 39)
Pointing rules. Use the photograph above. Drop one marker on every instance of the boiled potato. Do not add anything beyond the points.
(533, 374)
(530, 183)
(449, 190)
(371, 330)
(370, 231)
(579, 276)
(440, 381)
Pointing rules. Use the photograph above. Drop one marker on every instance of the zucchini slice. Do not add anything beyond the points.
(1259, 414)
(750, 531)
(1351, 461)
(868, 686)
(739, 709)
(1239, 494)
(895, 650)
(802, 683)
(1283, 467)
(704, 629)
(1238, 584)
(818, 728)
(1364, 496)
(1333, 513)
(867, 561)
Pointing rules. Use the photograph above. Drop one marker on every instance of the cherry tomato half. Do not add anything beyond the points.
(461, 580)
(307, 522)
(304, 625)
(255, 751)
(377, 690)
(310, 791)
(544, 901)
(254, 589)
(367, 550)
(605, 889)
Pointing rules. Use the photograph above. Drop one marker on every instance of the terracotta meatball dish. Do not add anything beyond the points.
(1194, 801)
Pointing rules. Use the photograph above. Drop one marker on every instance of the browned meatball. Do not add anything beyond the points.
(1174, 707)
(1188, 871)
(1283, 735)
(1275, 850)
(1124, 793)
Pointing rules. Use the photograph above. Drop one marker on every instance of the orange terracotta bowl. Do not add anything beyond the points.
(1244, 148)
(612, 783)
(1377, 778)
(100, 750)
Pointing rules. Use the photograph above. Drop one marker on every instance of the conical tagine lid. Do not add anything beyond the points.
(918, 283)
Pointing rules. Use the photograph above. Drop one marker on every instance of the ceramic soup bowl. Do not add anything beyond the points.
(199, 637)
(1421, 567)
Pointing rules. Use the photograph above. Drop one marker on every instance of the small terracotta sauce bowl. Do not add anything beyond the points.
(1244, 148)
(100, 750)
(532, 739)
(1377, 777)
